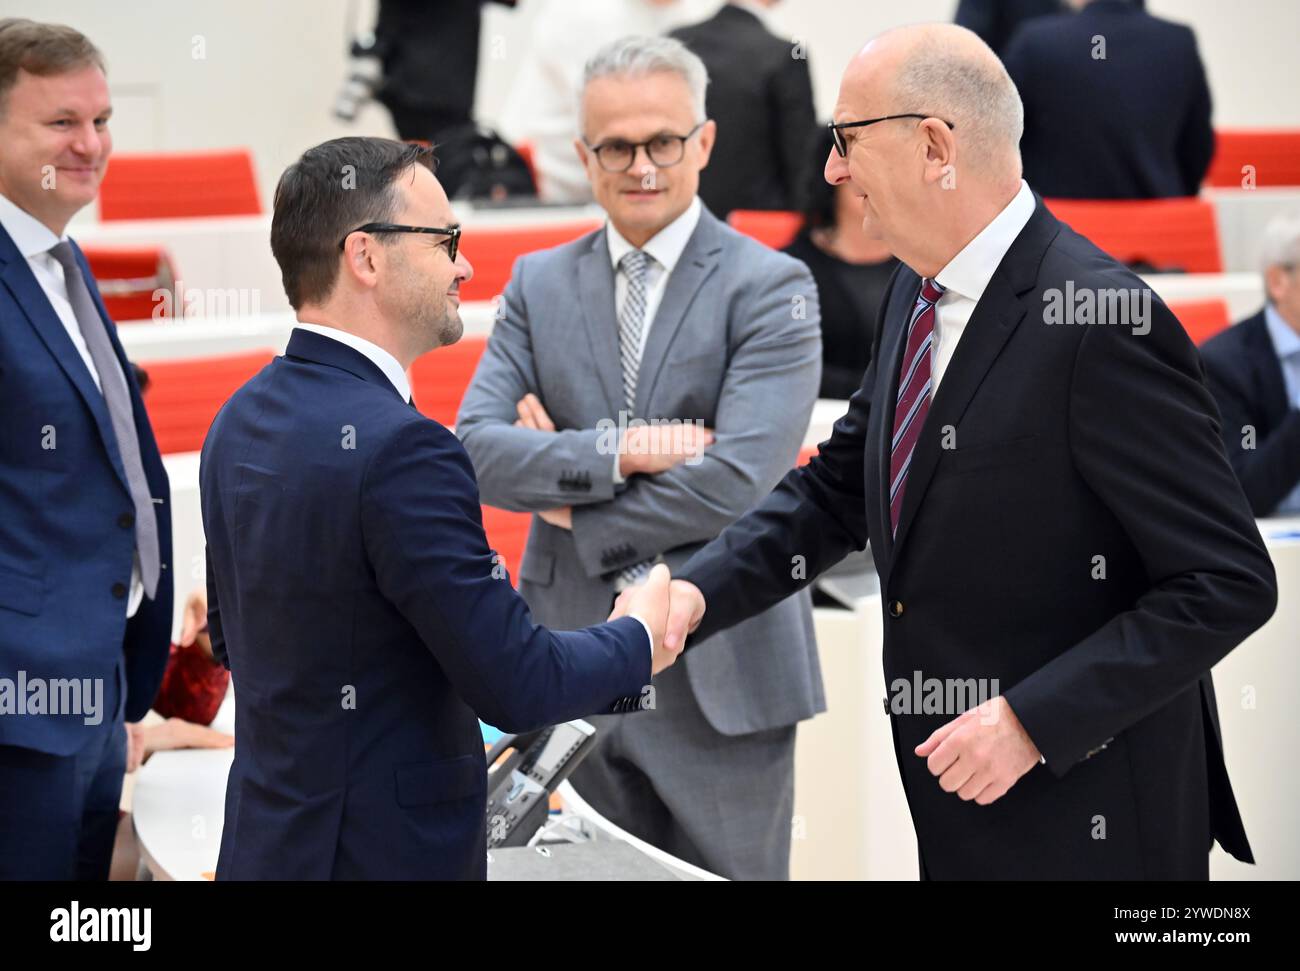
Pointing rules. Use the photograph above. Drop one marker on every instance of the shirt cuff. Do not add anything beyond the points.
(618, 476)
(649, 636)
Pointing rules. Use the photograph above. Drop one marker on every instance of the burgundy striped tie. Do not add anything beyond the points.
(913, 402)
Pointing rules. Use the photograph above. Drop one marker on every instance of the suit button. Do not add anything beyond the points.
(126, 520)
(119, 590)
(895, 608)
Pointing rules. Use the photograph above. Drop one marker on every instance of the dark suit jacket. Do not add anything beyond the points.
(1133, 126)
(1072, 442)
(996, 20)
(761, 98)
(67, 536)
(353, 596)
(1246, 378)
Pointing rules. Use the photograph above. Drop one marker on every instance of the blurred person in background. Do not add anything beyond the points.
(852, 272)
(760, 95)
(1254, 372)
(1117, 104)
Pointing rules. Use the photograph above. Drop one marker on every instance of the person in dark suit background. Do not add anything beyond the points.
(1117, 105)
(1254, 371)
(996, 20)
(429, 53)
(760, 95)
(351, 590)
(85, 525)
(851, 272)
(1037, 543)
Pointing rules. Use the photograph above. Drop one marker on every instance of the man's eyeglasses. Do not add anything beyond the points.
(663, 150)
(837, 131)
(452, 232)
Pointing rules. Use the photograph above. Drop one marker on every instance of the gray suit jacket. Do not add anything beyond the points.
(736, 342)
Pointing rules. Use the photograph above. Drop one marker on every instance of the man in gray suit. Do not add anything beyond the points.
(665, 314)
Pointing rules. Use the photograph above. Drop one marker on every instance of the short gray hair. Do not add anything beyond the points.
(974, 93)
(1281, 243)
(640, 56)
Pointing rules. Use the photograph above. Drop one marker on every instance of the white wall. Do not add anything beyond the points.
(270, 70)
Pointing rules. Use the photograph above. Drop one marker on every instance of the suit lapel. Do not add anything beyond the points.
(891, 351)
(995, 318)
(697, 262)
(35, 306)
(596, 300)
(1267, 368)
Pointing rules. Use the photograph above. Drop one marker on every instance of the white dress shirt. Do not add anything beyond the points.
(34, 240)
(666, 248)
(967, 276)
(376, 354)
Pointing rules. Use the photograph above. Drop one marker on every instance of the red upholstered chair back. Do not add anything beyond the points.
(776, 229)
(127, 279)
(1170, 234)
(1272, 153)
(179, 185)
(493, 250)
(1202, 319)
(439, 379)
(184, 396)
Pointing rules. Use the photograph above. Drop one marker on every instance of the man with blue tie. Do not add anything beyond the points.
(351, 590)
(85, 532)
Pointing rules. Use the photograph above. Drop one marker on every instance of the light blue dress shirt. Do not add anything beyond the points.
(1286, 342)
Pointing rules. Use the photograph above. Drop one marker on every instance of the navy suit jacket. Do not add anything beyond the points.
(1133, 126)
(1068, 443)
(355, 600)
(1246, 378)
(67, 535)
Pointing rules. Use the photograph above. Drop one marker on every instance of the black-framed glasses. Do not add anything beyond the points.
(837, 130)
(452, 232)
(663, 150)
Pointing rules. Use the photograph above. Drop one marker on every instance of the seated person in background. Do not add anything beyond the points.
(760, 94)
(851, 272)
(1116, 104)
(1254, 372)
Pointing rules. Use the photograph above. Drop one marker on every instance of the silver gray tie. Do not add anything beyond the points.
(631, 325)
(118, 398)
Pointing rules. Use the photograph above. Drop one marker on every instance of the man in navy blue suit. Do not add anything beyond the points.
(1117, 105)
(85, 530)
(351, 590)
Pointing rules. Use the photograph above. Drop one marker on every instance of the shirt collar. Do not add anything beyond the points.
(968, 273)
(1286, 342)
(29, 234)
(377, 355)
(665, 246)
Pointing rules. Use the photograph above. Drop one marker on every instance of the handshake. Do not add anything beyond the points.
(671, 608)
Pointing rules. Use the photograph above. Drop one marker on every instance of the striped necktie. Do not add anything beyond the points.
(913, 402)
(631, 327)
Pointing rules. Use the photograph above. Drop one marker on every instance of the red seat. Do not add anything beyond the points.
(493, 251)
(776, 228)
(128, 278)
(1273, 153)
(439, 378)
(1170, 234)
(507, 533)
(806, 455)
(184, 396)
(179, 185)
(1202, 319)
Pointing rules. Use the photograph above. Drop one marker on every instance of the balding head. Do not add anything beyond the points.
(947, 72)
(930, 180)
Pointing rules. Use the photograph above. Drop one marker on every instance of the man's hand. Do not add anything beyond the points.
(685, 611)
(561, 516)
(177, 733)
(651, 449)
(649, 601)
(194, 626)
(134, 745)
(533, 415)
(981, 753)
